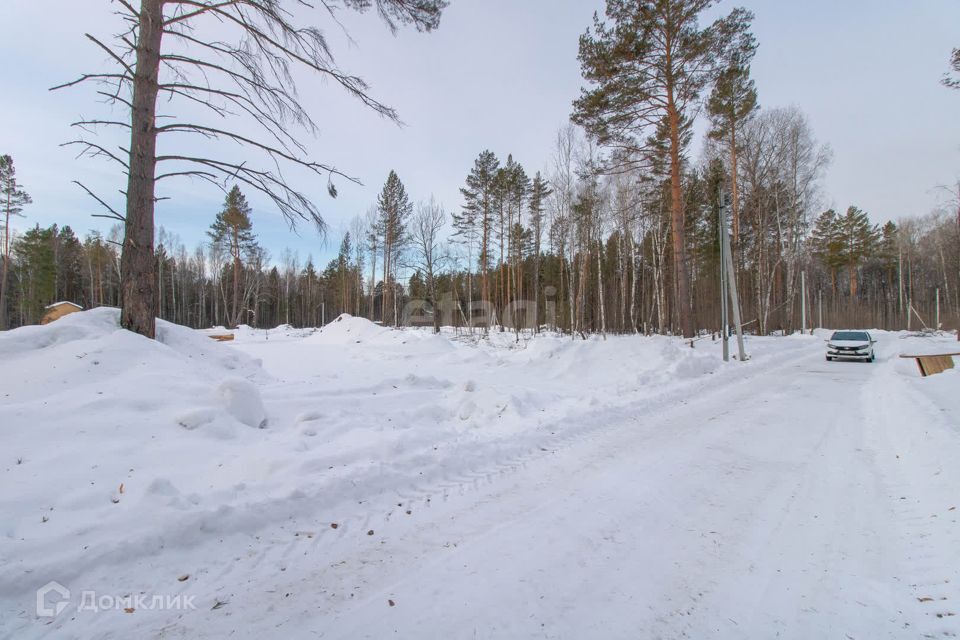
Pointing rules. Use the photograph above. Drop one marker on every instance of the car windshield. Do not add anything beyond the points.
(850, 335)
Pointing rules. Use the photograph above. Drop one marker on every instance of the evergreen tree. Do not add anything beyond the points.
(479, 195)
(887, 248)
(732, 102)
(539, 192)
(827, 244)
(417, 288)
(232, 232)
(37, 266)
(517, 188)
(344, 275)
(647, 67)
(68, 255)
(14, 199)
(394, 207)
(857, 238)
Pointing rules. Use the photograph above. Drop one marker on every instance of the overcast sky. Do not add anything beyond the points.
(501, 74)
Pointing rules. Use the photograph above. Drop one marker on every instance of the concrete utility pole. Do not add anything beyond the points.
(727, 256)
(803, 302)
(724, 323)
(936, 324)
(820, 308)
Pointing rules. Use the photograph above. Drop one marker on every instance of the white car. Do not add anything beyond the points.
(850, 345)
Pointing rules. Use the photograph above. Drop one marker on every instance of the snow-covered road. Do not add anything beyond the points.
(490, 493)
(782, 504)
(774, 507)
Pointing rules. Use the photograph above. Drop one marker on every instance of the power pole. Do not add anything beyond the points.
(803, 302)
(820, 307)
(724, 323)
(731, 277)
(936, 324)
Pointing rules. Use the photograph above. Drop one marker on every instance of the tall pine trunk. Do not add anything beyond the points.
(734, 191)
(373, 280)
(677, 221)
(235, 312)
(137, 284)
(4, 269)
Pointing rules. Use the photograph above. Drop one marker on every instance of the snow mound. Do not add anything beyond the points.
(106, 427)
(348, 329)
(351, 330)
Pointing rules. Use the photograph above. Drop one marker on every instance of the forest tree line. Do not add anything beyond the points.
(589, 252)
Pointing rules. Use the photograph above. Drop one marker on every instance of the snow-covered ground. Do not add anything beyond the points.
(357, 481)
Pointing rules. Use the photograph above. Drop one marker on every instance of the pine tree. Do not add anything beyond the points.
(68, 255)
(857, 238)
(231, 231)
(647, 67)
(539, 192)
(37, 266)
(14, 199)
(479, 195)
(344, 275)
(827, 245)
(394, 207)
(732, 102)
(518, 188)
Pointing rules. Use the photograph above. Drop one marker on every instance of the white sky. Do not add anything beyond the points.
(501, 74)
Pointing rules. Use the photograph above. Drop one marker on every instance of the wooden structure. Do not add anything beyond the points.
(57, 310)
(933, 363)
(221, 337)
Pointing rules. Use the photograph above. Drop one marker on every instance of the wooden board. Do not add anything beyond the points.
(930, 364)
(221, 337)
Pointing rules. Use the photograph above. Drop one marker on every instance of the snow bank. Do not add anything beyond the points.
(99, 426)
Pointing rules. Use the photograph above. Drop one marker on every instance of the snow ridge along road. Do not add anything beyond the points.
(785, 497)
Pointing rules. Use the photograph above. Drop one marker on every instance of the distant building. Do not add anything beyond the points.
(57, 310)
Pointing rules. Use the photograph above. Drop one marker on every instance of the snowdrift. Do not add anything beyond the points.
(99, 426)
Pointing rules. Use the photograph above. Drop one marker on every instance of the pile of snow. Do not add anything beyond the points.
(104, 433)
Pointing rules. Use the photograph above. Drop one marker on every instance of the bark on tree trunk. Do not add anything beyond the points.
(536, 283)
(5, 267)
(677, 223)
(138, 286)
(235, 313)
(734, 192)
(373, 279)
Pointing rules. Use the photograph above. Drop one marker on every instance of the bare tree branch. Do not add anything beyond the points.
(113, 212)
